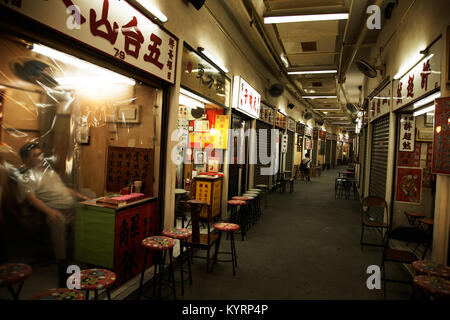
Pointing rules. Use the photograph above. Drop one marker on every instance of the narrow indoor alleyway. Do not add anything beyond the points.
(305, 246)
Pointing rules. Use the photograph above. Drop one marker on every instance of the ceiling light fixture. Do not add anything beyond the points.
(319, 97)
(285, 60)
(190, 102)
(327, 109)
(213, 59)
(153, 10)
(194, 96)
(304, 18)
(425, 110)
(312, 71)
(426, 100)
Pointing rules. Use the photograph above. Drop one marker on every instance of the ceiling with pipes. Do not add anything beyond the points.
(315, 60)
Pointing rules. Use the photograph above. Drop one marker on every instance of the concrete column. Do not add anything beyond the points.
(390, 175)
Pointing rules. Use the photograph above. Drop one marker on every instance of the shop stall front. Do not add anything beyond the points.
(202, 130)
(289, 165)
(246, 107)
(264, 126)
(281, 125)
(91, 103)
(416, 94)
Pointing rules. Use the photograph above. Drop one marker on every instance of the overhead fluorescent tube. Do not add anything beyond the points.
(303, 18)
(213, 59)
(312, 72)
(194, 96)
(153, 10)
(409, 66)
(425, 110)
(427, 100)
(327, 109)
(190, 102)
(65, 58)
(319, 97)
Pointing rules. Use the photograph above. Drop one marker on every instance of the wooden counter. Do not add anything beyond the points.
(111, 237)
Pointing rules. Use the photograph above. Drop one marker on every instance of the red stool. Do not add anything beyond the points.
(161, 245)
(181, 234)
(234, 215)
(230, 228)
(59, 294)
(14, 273)
(94, 280)
(432, 287)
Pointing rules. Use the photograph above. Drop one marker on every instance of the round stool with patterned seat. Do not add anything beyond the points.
(181, 234)
(243, 214)
(59, 294)
(265, 190)
(94, 280)
(258, 194)
(230, 228)
(431, 287)
(430, 268)
(12, 274)
(161, 245)
(252, 207)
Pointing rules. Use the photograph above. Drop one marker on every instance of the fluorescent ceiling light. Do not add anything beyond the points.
(312, 72)
(190, 102)
(427, 100)
(327, 109)
(92, 80)
(303, 18)
(285, 60)
(425, 110)
(282, 112)
(407, 67)
(319, 97)
(194, 96)
(153, 10)
(81, 64)
(335, 117)
(213, 59)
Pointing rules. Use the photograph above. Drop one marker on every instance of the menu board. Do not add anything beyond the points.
(124, 164)
(220, 138)
(441, 142)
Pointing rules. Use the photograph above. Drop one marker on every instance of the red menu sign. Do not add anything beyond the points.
(441, 142)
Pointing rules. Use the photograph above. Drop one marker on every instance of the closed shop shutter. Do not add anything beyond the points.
(290, 151)
(364, 153)
(314, 151)
(264, 148)
(379, 157)
(328, 153)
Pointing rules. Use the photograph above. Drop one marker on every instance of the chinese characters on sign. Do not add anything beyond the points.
(245, 98)
(407, 132)
(291, 124)
(441, 142)
(380, 103)
(113, 27)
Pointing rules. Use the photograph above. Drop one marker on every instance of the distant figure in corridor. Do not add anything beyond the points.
(306, 165)
(43, 189)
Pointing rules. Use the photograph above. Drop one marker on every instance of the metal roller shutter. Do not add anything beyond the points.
(290, 151)
(262, 148)
(333, 153)
(379, 157)
(328, 153)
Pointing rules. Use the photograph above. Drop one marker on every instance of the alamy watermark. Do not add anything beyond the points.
(374, 20)
(374, 280)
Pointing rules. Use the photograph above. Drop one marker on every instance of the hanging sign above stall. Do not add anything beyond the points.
(291, 124)
(300, 129)
(267, 114)
(245, 98)
(112, 27)
(280, 120)
(407, 132)
(380, 104)
(422, 79)
(202, 77)
(308, 131)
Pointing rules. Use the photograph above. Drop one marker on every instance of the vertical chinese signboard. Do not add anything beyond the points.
(407, 132)
(110, 26)
(441, 143)
(380, 104)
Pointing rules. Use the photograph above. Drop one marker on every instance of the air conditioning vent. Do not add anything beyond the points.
(309, 46)
(317, 84)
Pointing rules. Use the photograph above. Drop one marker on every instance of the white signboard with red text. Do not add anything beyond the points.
(245, 98)
(407, 132)
(380, 104)
(423, 78)
(110, 26)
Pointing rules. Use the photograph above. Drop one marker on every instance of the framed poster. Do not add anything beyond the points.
(199, 157)
(409, 185)
(424, 134)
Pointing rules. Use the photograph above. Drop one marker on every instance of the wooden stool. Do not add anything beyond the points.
(230, 228)
(413, 217)
(94, 280)
(14, 273)
(59, 294)
(161, 245)
(431, 268)
(182, 235)
(432, 287)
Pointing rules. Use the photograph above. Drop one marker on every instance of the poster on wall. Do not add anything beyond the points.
(407, 133)
(441, 145)
(409, 185)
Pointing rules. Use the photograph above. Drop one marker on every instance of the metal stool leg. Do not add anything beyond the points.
(174, 289)
(233, 253)
(142, 274)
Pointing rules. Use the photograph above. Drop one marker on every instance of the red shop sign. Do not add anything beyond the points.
(441, 142)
